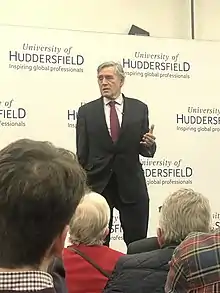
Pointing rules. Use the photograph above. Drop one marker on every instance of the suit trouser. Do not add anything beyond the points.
(133, 216)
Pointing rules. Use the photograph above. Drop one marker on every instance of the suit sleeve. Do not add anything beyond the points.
(82, 148)
(145, 151)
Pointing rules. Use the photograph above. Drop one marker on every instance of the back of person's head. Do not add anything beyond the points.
(195, 265)
(40, 188)
(183, 212)
(89, 225)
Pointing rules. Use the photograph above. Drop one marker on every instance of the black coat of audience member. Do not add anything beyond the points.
(140, 273)
(59, 283)
(143, 245)
(56, 269)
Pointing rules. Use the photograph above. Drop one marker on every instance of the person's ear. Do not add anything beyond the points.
(160, 237)
(59, 242)
(122, 82)
(106, 233)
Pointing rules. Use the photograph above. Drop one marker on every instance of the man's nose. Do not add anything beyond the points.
(104, 81)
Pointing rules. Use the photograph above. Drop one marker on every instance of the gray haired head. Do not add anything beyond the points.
(118, 68)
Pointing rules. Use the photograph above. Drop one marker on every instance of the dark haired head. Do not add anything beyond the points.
(40, 188)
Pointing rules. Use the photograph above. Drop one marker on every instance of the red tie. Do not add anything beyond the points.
(114, 122)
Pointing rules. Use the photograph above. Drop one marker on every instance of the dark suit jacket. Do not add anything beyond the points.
(100, 157)
(143, 245)
(56, 269)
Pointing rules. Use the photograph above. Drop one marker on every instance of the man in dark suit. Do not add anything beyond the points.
(111, 132)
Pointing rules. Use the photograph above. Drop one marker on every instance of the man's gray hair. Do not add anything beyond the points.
(183, 212)
(118, 68)
(90, 221)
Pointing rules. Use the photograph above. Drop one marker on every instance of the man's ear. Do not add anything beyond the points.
(59, 242)
(122, 82)
(160, 237)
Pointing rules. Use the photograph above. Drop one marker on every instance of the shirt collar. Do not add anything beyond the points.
(25, 281)
(118, 100)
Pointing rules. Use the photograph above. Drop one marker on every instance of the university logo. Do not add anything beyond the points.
(72, 116)
(12, 115)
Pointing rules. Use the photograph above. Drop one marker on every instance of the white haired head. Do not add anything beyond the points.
(89, 225)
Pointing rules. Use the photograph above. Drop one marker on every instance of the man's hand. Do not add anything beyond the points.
(148, 139)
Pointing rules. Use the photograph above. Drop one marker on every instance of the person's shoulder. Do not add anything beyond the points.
(192, 243)
(112, 251)
(135, 102)
(127, 259)
(124, 261)
(143, 245)
(90, 104)
(88, 107)
(132, 261)
(145, 258)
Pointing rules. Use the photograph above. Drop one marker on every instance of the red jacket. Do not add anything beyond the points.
(81, 276)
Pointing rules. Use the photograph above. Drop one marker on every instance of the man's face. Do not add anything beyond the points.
(109, 82)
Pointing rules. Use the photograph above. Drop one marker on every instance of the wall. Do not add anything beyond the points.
(163, 18)
(207, 19)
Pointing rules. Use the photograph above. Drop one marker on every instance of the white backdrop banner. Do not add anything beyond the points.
(47, 74)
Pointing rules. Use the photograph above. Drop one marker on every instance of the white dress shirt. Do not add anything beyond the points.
(119, 109)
